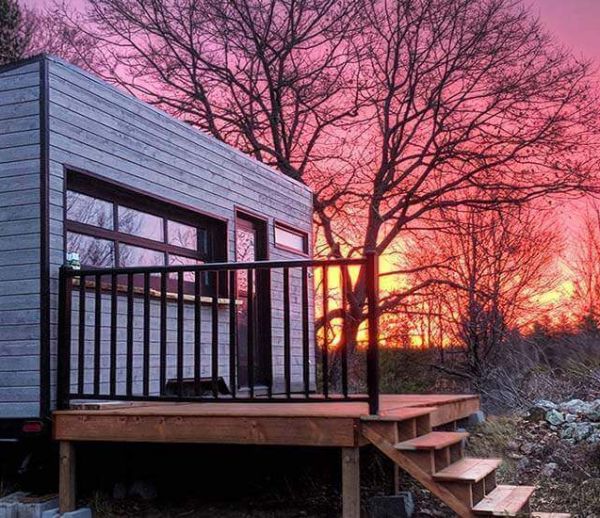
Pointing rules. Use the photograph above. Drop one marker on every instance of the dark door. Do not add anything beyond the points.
(254, 344)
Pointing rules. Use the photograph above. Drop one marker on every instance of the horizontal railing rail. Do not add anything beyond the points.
(226, 332)
(355, 261)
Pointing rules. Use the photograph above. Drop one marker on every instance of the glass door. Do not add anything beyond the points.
(253, 323)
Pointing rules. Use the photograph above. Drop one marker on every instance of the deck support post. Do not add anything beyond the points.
(397, 479)
(351, 482)
(66, 481)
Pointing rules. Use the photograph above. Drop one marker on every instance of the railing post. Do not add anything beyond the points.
(64, 338)
(372, 279)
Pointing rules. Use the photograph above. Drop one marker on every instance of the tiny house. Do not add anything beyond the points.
(94, 175)
(149, 274)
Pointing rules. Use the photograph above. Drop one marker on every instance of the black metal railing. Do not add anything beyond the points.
(216, 332)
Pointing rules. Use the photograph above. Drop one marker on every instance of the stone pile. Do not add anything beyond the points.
(574, 421)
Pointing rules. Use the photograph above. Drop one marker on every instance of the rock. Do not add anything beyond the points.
(582, 431)
(549, 469)
(523, 464)
(143, 489)
(574, 406)
(535, 414)
(545, 404)
(538, 410)
(593, 412)
(570, 418)
(594, 438)
(555, 418)
(576, 432)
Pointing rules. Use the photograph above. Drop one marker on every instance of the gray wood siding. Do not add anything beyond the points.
(20, 241)
(96, 128)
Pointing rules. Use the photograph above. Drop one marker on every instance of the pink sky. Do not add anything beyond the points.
(575, 22)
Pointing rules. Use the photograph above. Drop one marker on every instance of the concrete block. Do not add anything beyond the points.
(476, 419)
(8, 510)
(83, 512)
(10, 503)
(34, 507)
(51, 513)
(395, 506)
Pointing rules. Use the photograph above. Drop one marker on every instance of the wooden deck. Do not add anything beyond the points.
(345, 425)
(301, 424)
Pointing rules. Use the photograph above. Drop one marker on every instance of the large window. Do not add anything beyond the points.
(108, 226)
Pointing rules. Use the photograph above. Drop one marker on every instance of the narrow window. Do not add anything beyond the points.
(291, 239)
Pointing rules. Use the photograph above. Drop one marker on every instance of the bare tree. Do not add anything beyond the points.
(46, 31)
(390, 109)
(586, 267)
(493, 266)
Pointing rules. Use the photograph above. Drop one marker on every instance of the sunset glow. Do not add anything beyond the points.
(423, 318)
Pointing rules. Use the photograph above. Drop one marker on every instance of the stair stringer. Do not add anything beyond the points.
(425, 479)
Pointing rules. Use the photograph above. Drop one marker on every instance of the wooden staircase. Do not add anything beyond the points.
(436, 460)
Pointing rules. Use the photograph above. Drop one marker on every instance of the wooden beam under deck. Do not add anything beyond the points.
(294, 424)
(290, 431)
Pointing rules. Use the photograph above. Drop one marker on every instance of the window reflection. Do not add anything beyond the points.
(290, 239)
(178, 260)
(137, 256)
(109, 228)
(92, 251)
(140, 224)
(88, 210)
(245, 251)
(182, 235)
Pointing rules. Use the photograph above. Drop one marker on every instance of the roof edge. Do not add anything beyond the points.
(37, 58)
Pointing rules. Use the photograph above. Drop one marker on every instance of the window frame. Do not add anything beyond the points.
(293, 230)
(124, 196)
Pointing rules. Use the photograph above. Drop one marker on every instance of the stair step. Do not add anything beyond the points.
(504, 501)
(399, 414)
(468, 470)
(432, 441)
(550, 515)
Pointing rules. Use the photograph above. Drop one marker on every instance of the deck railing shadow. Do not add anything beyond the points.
(227, 332)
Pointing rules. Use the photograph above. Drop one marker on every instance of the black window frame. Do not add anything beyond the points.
(118, 195)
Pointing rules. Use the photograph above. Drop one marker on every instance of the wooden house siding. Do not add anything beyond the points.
(53, 117)
(96, 128)
(20, 241)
